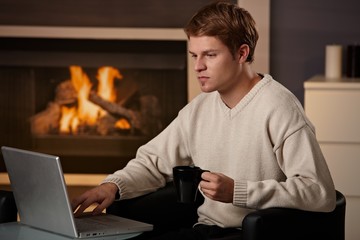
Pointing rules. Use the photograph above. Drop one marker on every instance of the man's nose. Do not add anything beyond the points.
(199, 65)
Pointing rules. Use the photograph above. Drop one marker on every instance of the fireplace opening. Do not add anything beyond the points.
(40, 82)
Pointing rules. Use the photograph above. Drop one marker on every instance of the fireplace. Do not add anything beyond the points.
(148, 75)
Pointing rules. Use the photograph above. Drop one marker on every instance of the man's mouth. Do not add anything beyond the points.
(202, 80)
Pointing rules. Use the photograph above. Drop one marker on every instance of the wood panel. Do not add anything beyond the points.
(101, 13)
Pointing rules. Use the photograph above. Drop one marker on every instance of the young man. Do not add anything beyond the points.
(246, 128)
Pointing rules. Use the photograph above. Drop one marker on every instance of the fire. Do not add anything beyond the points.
(69, 120)
(106, 89)
(106, 76)
(86, 112)
(122, 124)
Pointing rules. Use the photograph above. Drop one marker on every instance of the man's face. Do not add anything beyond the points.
(217, 69)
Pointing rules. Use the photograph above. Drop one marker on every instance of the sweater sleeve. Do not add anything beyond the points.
(152, 166)
(240, 193)
(308, 184)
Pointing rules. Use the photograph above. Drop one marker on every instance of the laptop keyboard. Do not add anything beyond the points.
(91, 223)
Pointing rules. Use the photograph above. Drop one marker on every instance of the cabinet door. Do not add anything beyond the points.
(335, 114)
(344, 164)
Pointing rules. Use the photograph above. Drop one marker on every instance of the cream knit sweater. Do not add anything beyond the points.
(265, 143)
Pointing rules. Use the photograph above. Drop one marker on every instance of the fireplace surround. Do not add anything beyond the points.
(36, 59)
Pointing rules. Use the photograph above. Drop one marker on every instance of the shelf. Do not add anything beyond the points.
(320, 82)
(175, 34)
(70, 179)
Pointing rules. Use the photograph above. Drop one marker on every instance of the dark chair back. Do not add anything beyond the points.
(276, 223)
(160, 207)
(8, 210)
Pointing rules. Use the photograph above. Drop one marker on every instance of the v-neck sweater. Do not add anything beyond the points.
(265, 143)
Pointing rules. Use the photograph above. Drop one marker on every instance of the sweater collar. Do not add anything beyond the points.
(231, 112)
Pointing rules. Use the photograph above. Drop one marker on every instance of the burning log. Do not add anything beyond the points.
(110, 107)
(106, 126)
(65, 93)
(147, 119)
(115, 109)
(46, 121)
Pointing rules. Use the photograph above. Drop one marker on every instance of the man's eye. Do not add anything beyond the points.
(211, 55)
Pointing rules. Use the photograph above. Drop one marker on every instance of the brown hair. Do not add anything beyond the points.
(231, 24)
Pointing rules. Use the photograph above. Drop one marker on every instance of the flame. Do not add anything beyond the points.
(122, 124)
(106, 89)
(67, 119)
(86, 112)
(106, 76)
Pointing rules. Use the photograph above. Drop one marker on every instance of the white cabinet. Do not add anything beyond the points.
(334, 108)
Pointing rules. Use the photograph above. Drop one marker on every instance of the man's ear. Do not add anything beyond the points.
(243, 52)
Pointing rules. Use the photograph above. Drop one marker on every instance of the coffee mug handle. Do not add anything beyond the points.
(197, 190)
(202, 171)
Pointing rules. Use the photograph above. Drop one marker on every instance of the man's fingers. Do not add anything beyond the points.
(76, 202)
(80, 210)
(99, 208)
(102, 195)
(84, 205)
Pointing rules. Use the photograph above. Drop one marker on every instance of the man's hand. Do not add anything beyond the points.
(217, 186)
(103, 195)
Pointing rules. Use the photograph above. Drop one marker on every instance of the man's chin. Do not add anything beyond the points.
(206, 89)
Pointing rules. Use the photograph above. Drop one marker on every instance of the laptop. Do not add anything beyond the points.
(41, 197)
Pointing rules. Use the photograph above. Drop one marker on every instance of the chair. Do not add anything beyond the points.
(8, 209)
(160, 207)
(271, 223)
